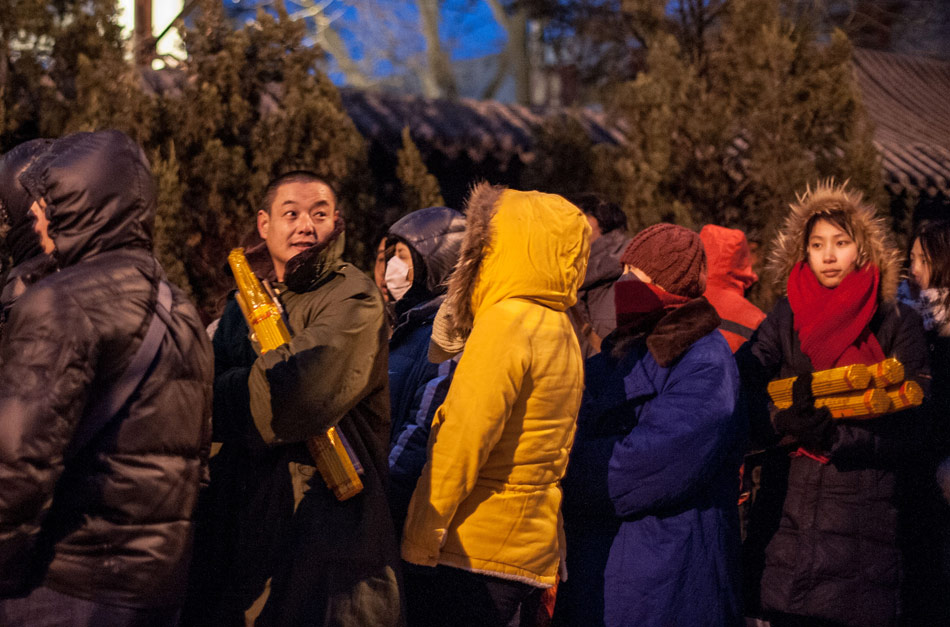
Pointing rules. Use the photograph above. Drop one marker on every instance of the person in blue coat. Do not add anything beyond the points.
(650, 494)
(422, 248)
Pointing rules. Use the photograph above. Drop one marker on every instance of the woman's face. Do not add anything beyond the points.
(832, 254)
(919, 266)
(402, 251)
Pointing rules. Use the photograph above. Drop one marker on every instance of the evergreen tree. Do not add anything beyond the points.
(253, 104)
(419, 188)
(732, 117)
(563, 157)
(63, 69)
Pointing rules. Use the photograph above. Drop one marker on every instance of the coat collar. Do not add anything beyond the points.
(674, 333)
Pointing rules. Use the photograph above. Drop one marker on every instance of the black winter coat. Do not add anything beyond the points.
(112, 524)
(834, 553)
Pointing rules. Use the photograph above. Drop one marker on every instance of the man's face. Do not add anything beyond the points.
(38, 208)
(302, 214)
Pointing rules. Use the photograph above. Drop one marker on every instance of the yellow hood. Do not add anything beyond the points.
(525, 245)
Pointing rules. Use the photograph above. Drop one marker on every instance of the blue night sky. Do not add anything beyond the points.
(468, 29)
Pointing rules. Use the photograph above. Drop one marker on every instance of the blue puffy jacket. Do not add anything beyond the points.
(651, 489)
(417, 387)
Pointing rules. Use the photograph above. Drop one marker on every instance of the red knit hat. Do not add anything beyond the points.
(672, 256)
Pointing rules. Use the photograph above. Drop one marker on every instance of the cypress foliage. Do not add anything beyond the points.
(253, 105)
(249, 105)
(63, 69)
(419, 188)
(727, 127)
(564, 158)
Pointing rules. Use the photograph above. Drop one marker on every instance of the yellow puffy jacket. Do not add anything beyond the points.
(489, 497)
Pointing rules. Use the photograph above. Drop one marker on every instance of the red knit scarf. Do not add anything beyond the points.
(832, 323)
(640, 304)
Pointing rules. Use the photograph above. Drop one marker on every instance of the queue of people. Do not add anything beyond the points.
(548, 418)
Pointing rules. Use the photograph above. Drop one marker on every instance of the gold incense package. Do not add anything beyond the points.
(823, 383)
(886, 373)
(904, 395)
(858, 404)
(264, 318)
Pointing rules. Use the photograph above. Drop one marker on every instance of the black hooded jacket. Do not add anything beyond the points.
(30, 264)
(112, 523)
(416, 386)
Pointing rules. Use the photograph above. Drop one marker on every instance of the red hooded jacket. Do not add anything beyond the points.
(729, 264)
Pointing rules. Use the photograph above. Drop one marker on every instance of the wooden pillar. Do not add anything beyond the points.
(143, 32)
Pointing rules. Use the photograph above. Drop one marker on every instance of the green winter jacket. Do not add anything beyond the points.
(340, 561)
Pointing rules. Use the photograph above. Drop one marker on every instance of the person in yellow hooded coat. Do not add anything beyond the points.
(486, 510)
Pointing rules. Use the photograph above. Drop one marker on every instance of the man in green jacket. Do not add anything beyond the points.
(300, 556)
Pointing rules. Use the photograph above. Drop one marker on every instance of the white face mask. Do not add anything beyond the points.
(397, 278)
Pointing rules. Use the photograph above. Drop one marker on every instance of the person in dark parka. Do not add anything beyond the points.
(433, 238)
(302, 556)
(593, 315)
(833, 554)
(28, 261)
(100, 534)
(650, 493)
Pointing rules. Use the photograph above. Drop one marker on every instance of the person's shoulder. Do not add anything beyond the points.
(899, 317)
(712, 347)
(45, 295)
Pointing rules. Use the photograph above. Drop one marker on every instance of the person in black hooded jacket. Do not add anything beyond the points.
(98, 534)
(432, 237)
(29, 262)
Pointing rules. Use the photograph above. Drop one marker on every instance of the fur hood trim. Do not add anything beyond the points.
(871, 233)
(481, 207)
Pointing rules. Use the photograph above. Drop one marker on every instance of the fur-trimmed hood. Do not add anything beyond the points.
(871, 233)
(527, 245)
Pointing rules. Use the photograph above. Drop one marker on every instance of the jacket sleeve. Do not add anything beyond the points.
(407, 455)
(303, 388)
(606, 416)
(47, 360)
(466, 428)
(685, 433)
(893, 438)
(759, 361)
(233, 358)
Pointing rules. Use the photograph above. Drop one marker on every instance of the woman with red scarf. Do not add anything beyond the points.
(832, 557)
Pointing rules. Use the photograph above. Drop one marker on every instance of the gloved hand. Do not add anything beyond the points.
(811, 426)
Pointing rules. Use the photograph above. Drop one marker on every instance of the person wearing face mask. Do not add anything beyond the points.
(650, 493)
(425, 246)
(833, 555)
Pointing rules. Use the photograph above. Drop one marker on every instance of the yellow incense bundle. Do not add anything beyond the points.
(904, 395)
(259, 309)
(263, 317)
(867, 404)
(341, 477)
(886, 373)
(823, 383)
(860, 404)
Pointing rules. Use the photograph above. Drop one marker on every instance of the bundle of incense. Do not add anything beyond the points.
(823, 383)
(863, 403)
(904, 395)
(263, 315)
(888, 392)
(886, 373)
